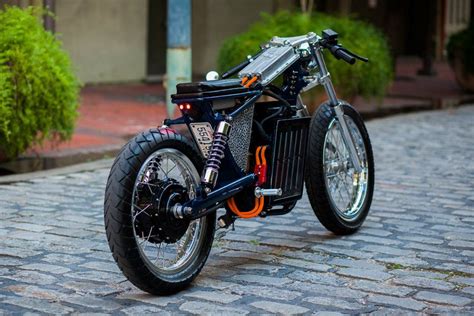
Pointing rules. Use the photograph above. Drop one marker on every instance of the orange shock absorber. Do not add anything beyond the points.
(259, 202)
(244, 80)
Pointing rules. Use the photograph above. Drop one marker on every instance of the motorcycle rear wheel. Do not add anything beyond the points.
(339, 196)
(156, 252)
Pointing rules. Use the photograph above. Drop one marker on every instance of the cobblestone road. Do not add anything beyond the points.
(415, 252)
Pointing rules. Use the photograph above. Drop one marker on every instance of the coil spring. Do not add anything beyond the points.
(216, 154)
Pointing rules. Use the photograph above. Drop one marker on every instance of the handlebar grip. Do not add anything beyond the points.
(236, 69)
(340, 53)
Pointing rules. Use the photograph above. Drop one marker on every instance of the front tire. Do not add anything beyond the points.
(156, 252)
(339, 196)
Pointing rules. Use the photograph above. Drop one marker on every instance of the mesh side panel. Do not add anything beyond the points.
(239, 138)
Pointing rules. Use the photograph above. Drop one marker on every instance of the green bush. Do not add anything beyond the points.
(368, 80)
(463, 43)
(38, 90)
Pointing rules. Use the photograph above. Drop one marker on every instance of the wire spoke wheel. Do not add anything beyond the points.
(162, 253)
(347, 188)
(340, 196)
(156, 251)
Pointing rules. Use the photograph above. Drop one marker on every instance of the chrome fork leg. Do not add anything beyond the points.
(325, 78)
(347, 138)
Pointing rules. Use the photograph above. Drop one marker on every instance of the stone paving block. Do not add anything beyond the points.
(42, 267)
(335, 303)
(92, 302)
(39, 305)
(358, 264)
(381, 287)
(202, 308)
(223, 298)
(315, 277)
(284, 243)
(364, 274)
(253, 278)
(424, 283)
(285, 309)
(462, 244)
(462, 280)
(203, 281)
(144, 310)
(406, 303)
(304, 264)
(442, 298)
(269, 292)
(327, 290)
(142, 297)
(32, 277)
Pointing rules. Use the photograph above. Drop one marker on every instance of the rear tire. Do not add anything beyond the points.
(329, 175)
(129, 212)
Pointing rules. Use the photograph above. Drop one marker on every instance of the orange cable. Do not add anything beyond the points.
(259, 202)
(251, 81)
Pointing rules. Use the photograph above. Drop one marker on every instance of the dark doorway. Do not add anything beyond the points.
(156, 55)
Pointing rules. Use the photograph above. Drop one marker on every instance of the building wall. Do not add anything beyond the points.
(215, 20)
(106, 39)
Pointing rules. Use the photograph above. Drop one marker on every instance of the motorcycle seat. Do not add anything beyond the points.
(207, 86)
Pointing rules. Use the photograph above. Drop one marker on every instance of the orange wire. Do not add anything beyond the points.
(251, 81)
(259, 202)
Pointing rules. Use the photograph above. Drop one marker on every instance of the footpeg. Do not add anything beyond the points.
(259, 192)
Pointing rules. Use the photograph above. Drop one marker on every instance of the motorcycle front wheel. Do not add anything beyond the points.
(157, 252)
(340, 196)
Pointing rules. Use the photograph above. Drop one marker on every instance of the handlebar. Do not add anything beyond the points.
(340, 53)
(329, 41)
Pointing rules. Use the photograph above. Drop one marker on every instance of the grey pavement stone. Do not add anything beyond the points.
(335, 303)
(144, 310)
(54, 258)
(279, 308)
(39, 305)
(253, 278)
(93, 302)
(315, 277)
(221, 297)
(364, 274)
(382, 288)
(424, 283)
(270, 292)
(442, 298)
(201, 308)
(406, 303)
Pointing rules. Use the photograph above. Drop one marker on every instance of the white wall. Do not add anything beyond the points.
(105, 38)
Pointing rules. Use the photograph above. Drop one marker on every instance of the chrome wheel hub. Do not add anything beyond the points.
(167, 244)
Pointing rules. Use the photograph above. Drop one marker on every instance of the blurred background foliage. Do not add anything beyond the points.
(368, 80)
(38, 89)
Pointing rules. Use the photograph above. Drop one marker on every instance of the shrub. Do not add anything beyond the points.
(38, 90)
(463, 43)
(368, 80)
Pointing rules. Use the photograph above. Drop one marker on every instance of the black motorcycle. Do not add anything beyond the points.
(254, 145)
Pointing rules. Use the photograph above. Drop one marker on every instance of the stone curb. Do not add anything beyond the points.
(87, 166)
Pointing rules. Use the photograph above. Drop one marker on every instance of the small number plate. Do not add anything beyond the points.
(203, 135)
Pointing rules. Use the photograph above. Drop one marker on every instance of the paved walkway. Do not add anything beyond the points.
(415, 252)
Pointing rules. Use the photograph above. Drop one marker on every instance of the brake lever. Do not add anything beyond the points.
(364, 59)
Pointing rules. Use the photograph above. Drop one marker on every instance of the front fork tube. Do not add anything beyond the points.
(325, 79)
